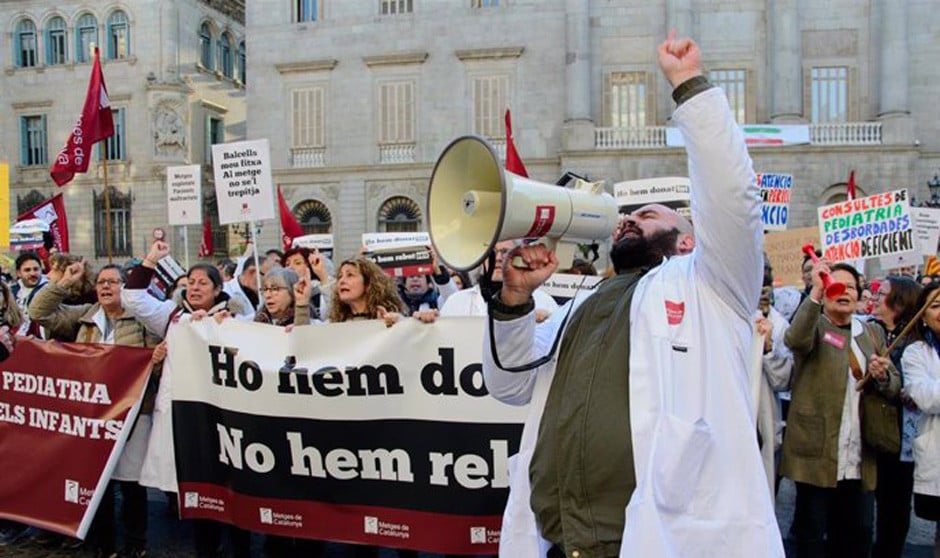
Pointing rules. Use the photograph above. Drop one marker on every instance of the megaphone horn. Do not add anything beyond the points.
(473, 203)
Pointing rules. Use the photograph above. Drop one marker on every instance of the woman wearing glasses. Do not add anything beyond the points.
(106, 322)
(286, 298)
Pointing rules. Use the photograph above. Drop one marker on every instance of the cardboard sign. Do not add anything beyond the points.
(783, 249)
(864, 228)
(184, 195)
(243, 181)
(775, 200)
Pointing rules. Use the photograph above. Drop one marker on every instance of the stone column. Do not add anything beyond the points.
(578, 131)
(889, 20)
(786, 54)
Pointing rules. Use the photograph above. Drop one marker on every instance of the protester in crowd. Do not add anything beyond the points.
(645, 407)
(29, 280)
(272, 259)
(427, 293)
(106, 321)
(286, 298)
(174, 291)
(362, 291)
(314, 266)
(823, 451)
(227, 268)
(461, 279)
(10, 320)
(895, 304)
(83, 291)
(770, 372)
(469, 302)
(921, 362)
(244, 288)
(928, 279)
(203, 297)
(864, 305)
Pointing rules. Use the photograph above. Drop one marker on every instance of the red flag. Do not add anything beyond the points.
(94, 125)
(206, 249)
(52, 211)
(850, 187)
(290, 228)
(513, 162)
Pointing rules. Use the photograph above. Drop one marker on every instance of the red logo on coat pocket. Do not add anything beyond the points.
(675, 311)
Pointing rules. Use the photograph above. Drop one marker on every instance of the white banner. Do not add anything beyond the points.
(321, 242)
(243, 181)
(566, 285)
(375, 242)
(184, 195)
(672, 191)
(927, 228)
(757, 135)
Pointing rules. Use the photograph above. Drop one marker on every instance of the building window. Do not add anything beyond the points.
(306, 10)
(86, 33)
(389, 7)
(242, 63)
(225, 56)
(308, 117)
(121, 237)
(33, 140)
(396, 112)
(215, 133)
(205, 46)
(399, 214)
(314, 217)
(56, 41)
(627, 100)
(829, 94)
(29, 201)
(490, 99)
(119, 36)
(25, 47)
(484, 3)
(219, 232)
(115, 147)
(733, 82)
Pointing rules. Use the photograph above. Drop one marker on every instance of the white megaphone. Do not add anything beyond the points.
(473, 203)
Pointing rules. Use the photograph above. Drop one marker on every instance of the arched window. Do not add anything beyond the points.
(56, 42)
(86, 33)
(839, 193)
(25, 47)
(225, 56)
(242, 62)
(119, 36)
(314, 217)
(399, 214)
(205, 46)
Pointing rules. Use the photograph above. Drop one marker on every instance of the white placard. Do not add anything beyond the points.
(394, 241)
(672, 191)
(904, 259)
(319, 241)
(184, 195)
(566, 285)
(243, 181)
(927, 228)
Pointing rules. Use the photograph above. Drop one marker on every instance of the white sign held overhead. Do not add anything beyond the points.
(927, 228)
(243, 181)
(184, 195)
(394, 241)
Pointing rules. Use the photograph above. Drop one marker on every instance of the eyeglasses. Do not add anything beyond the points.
(112, 282)
(267, 290)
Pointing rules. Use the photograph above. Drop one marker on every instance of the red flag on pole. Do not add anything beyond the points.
(94, 125)
(513, 162)
(850, 188)
(206, 249)
(290, 228)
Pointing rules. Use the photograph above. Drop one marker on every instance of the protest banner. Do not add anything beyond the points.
(184, 195)
(243, 181)
(66, 411)
(347, 432)
(671, 191)
(400, 254)
(564, 286)
(51, 212)
(322, 242)
(786, 258)
(775, 200)
(927, 226)
(864, 228)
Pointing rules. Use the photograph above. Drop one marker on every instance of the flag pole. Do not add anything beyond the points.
(254, 242)
(104, 173)
(186, 243)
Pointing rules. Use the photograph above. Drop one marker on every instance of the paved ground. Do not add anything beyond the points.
(171, 538)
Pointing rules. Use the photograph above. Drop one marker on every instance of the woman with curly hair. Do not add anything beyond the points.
(362, 291)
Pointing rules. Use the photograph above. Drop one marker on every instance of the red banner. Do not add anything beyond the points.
(52, 211)
(290, 228)
(66, 410)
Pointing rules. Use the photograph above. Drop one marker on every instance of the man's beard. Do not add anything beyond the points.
(639, 251)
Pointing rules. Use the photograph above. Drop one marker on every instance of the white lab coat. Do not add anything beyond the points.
(921, 366)
(700, 482)
(469, 302)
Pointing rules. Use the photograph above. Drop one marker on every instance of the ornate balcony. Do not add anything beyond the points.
(651, 137)
(392, 153)
(307, 157)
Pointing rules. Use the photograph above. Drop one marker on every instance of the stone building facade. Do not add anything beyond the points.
(358, 98)
(175, 72)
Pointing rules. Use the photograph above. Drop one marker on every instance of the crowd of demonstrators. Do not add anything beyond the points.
(315, 268)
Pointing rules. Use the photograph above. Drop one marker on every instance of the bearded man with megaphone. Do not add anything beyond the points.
(640, 439)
